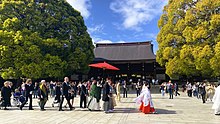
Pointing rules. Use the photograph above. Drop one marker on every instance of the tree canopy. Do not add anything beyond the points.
(189, 38)
(42, 38)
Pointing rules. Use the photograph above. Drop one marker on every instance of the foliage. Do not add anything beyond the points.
(42, 38)
(189, 38)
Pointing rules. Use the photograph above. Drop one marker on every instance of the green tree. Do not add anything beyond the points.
(42, 38)
(189, 38)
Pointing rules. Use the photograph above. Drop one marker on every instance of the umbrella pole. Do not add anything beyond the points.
(103, 73)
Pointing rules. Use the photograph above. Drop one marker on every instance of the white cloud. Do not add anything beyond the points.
(97, 40)
(104, 41)
(137, 12)
(96, 29)
(82, 6)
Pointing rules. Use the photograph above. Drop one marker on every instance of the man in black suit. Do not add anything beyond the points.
(28, 94)
(65, 91)
(106, 95)
(83, 94)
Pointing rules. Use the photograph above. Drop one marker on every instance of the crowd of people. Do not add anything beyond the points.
(170, 88)
(91, 92)
(95, 89)
(201, 90)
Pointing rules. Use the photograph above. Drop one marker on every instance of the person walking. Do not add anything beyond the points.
(176, 89)
(28, 94)
(162, 89)
(57, 94)
(65, 94)
(145, 100)
(118, 89)
(105, 96)
(112, 102)
(95, 94)
(42, 94)
(203, 91)
(72, 93)
(138, 88)
(6, 95)
(125, 88)
(189, 89)
(170, 89)
(36, 88)
(83, 95)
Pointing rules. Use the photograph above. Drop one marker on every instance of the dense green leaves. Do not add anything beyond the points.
(189, 38)
(42, 38)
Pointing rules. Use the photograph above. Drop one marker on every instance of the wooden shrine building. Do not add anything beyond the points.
(135, 60)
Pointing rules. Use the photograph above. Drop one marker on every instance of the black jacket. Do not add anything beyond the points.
(6, 94)
(28, 89)
(65, 88)
(83, 90)
(106, 90)
(202, 90)
(57, 91)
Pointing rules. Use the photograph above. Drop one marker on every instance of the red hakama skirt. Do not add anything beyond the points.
(146, 109)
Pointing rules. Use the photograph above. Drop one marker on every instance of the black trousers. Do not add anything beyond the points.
(57, 98)
(203, 98)
(190, 93)
(138, 92)
(82, 100)
(125, 93)
(171, 94)
(68, 102)
(177, 93)
(30, 101)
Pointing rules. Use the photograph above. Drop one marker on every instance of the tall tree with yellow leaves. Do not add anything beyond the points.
(189, 38)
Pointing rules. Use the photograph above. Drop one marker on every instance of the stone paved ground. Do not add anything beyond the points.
(180, 110)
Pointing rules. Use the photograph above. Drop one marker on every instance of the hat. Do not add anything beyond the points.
(43, 81)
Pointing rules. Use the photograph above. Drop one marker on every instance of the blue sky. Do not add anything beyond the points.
(112, 21)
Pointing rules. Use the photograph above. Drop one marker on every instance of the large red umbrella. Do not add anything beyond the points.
(104, 66)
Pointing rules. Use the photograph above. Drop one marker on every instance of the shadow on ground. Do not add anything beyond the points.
(165, 111)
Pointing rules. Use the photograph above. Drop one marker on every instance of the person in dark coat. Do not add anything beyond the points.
(125, 90)
(6, 95)
(83, 94)
(36, 88)
(42, 94)
(176, 88)
(57, 92)
(203, 91)
(28, 94)
(65, 94)
(105, 96)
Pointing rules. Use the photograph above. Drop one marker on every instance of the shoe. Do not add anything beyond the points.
(43, 109)
(154, 112)
(110, 111)
(6, 109)
(106, 112)
(61, 110)
(31, 109)
(20, 108)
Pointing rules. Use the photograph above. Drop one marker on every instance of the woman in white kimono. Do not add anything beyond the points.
(145, 100)
(216, 100)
